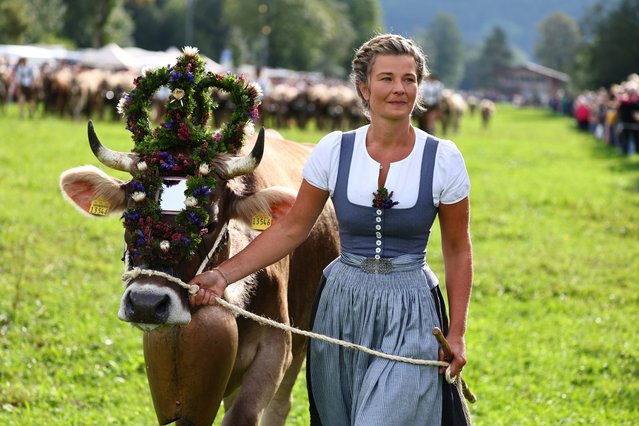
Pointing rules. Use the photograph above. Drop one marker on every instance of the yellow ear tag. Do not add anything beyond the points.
(260, 221)
(99, 207)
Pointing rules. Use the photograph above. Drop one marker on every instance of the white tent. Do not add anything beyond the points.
(149, 58)
(35, 54)
(156, 59)
(110, 56)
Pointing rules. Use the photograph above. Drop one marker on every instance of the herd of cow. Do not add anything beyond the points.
(87, 93)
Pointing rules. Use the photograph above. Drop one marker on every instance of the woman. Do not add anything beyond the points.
(379, 293)
(25, 87)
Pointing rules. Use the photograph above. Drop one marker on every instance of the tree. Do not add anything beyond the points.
(151, 31)
(119, 27)
(365, 17)
(611, 52)
(87, 22)
(293, 34)
(14, 22)
(210, 31)
(496, 54)
(445, 50)
(558, 42)
(30, 21)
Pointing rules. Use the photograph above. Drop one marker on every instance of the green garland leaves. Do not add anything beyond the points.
(182, 145)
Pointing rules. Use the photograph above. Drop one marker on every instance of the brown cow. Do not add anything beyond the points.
(197, 357)
(487, 108)
(452, 106)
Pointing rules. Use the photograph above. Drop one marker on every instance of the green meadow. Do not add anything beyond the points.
(553, 325)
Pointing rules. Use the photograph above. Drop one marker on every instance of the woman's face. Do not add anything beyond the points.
(392, 87)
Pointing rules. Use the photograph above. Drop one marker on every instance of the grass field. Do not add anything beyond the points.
(552, 336)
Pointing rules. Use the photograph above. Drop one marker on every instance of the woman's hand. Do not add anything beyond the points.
(212, 285)
(458, 349)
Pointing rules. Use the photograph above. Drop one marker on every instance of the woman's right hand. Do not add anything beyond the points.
(212, 285)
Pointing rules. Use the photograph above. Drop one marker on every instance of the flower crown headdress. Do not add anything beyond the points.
(182, 145)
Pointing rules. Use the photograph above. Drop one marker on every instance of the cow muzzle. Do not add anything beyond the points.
(149, 305)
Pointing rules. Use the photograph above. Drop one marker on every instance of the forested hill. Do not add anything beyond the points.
(476, 18)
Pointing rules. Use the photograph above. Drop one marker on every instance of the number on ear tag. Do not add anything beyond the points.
(99, 207)
(260, 221)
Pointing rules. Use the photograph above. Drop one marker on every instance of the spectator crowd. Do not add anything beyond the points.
(611, 114)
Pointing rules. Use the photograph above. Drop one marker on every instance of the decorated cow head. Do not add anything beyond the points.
(183, 190)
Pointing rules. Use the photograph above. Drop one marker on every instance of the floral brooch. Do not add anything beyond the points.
(383, 199)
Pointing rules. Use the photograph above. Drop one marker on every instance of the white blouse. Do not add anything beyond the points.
(450, 178)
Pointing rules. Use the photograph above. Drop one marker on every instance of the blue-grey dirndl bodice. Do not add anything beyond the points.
(378, 294)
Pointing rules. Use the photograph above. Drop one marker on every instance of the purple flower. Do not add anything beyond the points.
(194, 219)
(167, 161)
(175, 76)
(131, 215)
(139, 238)
(137, 186)
(186, 241)
(168, 125)
(190, 77)
(201, 191)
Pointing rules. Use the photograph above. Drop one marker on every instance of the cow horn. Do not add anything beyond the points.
(238, 166)
(116, 160)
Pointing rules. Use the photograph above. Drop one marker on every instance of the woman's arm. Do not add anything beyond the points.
(270, 246)
(454, 221)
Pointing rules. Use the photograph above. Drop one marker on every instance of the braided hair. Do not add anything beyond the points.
(384, 44)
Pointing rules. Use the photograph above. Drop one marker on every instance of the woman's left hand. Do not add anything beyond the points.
(458, 349)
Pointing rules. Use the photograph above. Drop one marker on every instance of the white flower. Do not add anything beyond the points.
(258, 90)
(204, 169)
(165, 246)
(147, 70)
(190, 51)
(190, 201)
(142, 166)
(138, 196)
(249, 129)
(178, 94)
(122, 105)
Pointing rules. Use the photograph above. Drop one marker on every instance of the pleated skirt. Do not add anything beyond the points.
(393, 313)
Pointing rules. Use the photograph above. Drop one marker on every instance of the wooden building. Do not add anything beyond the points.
(533, 83)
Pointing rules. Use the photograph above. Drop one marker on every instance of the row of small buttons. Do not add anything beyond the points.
(378, 233)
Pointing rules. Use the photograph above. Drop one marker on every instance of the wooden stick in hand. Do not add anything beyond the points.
(449, 354)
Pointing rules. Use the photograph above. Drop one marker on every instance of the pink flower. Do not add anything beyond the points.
(183, 132)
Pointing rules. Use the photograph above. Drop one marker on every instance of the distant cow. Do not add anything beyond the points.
(487, 108)
(4, 90)
(197, 357)
(452, 108)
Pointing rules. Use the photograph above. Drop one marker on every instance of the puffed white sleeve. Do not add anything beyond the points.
(451, 183)
(320, 170)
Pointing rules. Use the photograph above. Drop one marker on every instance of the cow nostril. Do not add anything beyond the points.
(162, 308)
(129, 306)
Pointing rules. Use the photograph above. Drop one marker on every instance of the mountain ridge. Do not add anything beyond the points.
(476, 19)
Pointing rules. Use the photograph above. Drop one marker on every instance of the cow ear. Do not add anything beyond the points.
(93, 192)
(273, 202)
